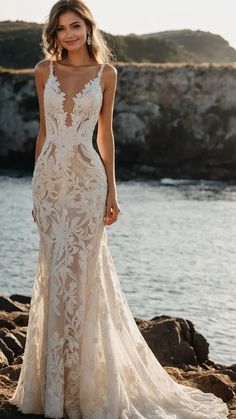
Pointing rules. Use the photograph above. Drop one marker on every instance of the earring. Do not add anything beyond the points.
(89, 39)
(60, 51)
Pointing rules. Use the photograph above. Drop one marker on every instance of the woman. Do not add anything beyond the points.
(85, 356)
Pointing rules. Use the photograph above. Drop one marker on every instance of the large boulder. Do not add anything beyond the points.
(174, 341)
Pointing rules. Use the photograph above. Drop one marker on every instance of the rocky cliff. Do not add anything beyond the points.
(176, 343)
(169, 120)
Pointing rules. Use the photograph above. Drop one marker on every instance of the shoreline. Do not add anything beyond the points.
(176, 342)
(141, 174)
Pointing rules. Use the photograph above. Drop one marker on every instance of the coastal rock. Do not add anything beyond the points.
(15, 318)
(230, 373)
(3, 360)
(22, 329)
(177, 119)
(11, 372)
(217, 384)
(7, 352)
(3, 331)
(174, 341)
(207, 381)
(181, 349)
(18, 360)
(19, 336)
(24, 299)
(8, 324)
(21, 319)
(6, 304)
(13, 343)
(130, 128)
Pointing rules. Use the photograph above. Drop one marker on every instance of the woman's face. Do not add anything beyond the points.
(71, 31)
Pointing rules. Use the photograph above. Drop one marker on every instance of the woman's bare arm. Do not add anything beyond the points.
(40, 73)
(105, 140)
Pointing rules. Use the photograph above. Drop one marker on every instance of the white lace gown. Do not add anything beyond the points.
(85, 356)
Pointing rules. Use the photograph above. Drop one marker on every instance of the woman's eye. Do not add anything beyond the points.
(61, 29)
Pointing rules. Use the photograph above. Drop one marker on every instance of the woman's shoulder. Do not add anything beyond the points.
(42, 66)
(110, 70)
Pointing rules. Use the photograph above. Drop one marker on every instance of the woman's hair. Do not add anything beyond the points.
(51, 48)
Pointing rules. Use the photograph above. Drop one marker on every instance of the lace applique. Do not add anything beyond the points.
(85, 356)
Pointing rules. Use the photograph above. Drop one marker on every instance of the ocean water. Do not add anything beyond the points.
(174, 249)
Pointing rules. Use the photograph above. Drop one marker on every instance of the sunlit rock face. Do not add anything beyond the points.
(169, 120)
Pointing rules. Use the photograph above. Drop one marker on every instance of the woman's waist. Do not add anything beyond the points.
(69, 154)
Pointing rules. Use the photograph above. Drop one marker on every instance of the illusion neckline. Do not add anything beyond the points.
(78, 95)
(86, 85)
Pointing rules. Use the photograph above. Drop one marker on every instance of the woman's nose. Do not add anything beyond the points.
(69, 34)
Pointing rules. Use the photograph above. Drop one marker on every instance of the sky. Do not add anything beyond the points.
(135, 16)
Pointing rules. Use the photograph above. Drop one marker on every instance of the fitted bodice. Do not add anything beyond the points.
(85, 111)
(62, 140)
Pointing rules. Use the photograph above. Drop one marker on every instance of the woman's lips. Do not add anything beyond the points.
(71, 42)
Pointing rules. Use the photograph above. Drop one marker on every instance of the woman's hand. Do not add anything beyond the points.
(112, 209)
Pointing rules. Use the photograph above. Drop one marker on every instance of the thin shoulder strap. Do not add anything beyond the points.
(100, 71)
(51, 67)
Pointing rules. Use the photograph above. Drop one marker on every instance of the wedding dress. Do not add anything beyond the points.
(85, 356)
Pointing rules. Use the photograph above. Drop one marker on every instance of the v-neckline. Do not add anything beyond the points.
(77, 95)
(83, 90)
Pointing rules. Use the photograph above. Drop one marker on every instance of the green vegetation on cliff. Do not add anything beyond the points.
(20, 46)
(203, 46)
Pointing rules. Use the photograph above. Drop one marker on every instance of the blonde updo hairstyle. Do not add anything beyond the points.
(98, 49)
